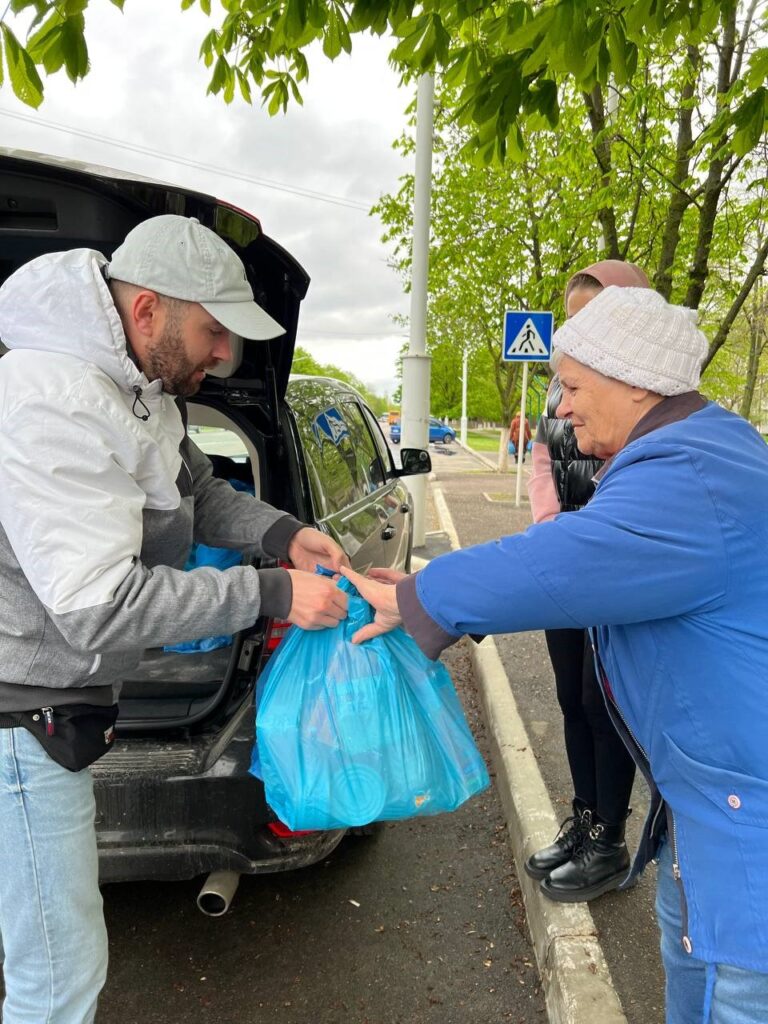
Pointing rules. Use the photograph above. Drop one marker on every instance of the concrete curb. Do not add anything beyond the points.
(575, 977)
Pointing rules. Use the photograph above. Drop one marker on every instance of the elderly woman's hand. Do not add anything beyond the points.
(381, 596)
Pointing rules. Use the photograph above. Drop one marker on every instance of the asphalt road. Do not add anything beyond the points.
(420, 924)
(482, 507)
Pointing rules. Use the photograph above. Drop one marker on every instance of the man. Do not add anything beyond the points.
(101, 495)
(671, 557)
(514, 435)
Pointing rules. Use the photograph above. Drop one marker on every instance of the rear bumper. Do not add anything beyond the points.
(176, 808)
(179, 861)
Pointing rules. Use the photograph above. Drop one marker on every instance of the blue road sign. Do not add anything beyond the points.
(527, 336)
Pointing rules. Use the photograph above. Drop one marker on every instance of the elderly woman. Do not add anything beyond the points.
(671, 558)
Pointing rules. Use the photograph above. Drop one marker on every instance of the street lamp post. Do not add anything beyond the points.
(416, 365)
(464, 398)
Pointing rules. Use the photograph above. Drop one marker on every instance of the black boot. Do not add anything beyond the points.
(568, 840)
(600, 864)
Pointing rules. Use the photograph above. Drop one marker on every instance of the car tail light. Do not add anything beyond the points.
(277, 828)
(276, 632)
(277, 627)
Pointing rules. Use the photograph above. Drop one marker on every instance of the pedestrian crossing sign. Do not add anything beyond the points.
(527, 336)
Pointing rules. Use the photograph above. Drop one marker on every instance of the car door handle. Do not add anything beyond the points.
(388, 533)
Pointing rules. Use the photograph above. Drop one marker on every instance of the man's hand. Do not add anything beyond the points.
(308, 547)
(381, 596)
(317, 602)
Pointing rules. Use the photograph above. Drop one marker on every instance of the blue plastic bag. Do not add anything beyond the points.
(218, 558)
(349, 734)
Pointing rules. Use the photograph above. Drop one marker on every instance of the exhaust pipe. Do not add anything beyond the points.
(217, 892)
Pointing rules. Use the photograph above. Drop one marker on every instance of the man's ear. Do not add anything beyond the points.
(146, 314)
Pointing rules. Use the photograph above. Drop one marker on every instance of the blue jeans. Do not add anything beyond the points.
(51, 918)
(696, 992)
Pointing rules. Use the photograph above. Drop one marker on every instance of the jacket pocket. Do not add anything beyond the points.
(741, 797)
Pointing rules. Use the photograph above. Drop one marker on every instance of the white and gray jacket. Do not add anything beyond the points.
(98, 507)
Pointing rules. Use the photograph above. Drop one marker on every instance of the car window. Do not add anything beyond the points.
(343, 461)
(379, 440)
(218, 441)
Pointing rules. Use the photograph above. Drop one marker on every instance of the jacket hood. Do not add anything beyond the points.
(60, 303)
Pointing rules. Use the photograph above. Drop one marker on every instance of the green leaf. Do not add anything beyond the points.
(22, 72)
(245, 88)
(603, 66)
(750, 121)
(219, 76)
(73, 48)
(332, 37)
(301, 66)
(208, 45)
(531, 32)
(636, 17)
(295, 92)
(455, 74)
(296, 19)
(44, 45)
(412, 33)
(617, 48)
(758, 68)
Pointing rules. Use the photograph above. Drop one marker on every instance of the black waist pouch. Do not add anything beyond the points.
(74, 735)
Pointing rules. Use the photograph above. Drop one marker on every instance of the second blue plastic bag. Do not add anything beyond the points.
(349, 734)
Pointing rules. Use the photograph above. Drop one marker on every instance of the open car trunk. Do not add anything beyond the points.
(48, 205)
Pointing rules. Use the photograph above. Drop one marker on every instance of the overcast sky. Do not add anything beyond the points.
(146, 88)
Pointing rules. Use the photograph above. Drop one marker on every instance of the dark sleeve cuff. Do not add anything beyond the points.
(431, 638)
(280, 534)
(276, 592)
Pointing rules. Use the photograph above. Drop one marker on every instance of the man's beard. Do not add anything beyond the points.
(168, 361)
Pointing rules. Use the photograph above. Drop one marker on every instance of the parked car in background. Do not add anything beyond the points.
(174, 796)
(438, 432)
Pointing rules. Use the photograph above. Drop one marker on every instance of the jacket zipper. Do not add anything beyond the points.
(677, 875)
(50, 729)
(609, 694)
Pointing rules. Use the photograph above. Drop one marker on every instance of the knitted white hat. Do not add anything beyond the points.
(635, 335)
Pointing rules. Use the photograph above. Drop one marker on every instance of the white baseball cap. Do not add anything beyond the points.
(179, 257)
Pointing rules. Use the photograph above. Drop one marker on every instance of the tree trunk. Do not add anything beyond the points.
(697, 276)
(680, 200)
(753, 363)
(601, 146)
(757, 339)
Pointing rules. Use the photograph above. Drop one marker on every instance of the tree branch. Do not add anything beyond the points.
(755, 271)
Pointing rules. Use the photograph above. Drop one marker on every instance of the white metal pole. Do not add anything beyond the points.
(415, 406)
(521, 436)
(464, 398)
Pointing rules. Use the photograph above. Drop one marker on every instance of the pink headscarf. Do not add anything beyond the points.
(607, 272)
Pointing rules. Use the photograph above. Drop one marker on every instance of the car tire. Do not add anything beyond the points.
(395, 440)
(447, 438)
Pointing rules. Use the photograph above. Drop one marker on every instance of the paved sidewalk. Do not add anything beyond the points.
(600, 962)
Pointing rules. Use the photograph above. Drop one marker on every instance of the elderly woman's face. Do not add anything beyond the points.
(601, 410)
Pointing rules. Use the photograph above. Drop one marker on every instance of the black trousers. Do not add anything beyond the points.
(601, 766)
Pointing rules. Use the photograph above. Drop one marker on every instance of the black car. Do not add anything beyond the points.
(174, 796)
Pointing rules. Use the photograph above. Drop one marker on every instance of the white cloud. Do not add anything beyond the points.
(147, 89)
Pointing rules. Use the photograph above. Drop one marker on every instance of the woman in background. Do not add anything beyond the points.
(589, 856)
